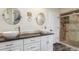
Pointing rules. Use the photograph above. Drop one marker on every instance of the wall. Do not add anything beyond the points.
(55, 23)
(52, 21)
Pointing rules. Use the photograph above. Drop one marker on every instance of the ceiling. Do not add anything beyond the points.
(64, 10)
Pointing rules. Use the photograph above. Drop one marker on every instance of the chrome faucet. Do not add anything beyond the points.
(19, 30)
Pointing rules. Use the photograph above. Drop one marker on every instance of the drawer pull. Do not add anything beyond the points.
(32, 47)
(10, 50)
(32, 40)
(9, 45)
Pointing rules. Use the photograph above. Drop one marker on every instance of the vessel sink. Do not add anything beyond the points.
(44, 32)
(10, 34)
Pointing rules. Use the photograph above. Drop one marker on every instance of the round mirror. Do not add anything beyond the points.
(11, 16)
(40, 19)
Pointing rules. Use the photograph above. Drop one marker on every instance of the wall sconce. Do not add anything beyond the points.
(29, 15)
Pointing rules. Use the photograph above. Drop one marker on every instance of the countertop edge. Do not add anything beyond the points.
(26, 37)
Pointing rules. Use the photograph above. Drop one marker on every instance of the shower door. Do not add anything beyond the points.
(70, 29)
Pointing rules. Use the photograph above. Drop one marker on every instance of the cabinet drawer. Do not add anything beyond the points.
(10, 44)
(15, 49)
(32, 47)
(4, 49)
(11, 49)
(31, 40)
(6, 45)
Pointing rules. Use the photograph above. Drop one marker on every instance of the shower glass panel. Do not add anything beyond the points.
(72, 34)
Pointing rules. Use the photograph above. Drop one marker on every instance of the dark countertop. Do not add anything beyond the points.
(24, 37)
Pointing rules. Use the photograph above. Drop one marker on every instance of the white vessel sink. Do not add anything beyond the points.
(10, 34)
(45, 32)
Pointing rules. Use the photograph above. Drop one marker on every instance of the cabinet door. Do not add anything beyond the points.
(19, 45)
(50, 43)
(44, 43)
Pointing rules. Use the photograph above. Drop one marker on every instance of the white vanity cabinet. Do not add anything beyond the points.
(47, 43)
(41, 43)
(32, 44)
(16, 45)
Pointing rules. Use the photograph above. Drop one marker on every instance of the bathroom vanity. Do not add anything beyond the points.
(26, 26)
(32, 43)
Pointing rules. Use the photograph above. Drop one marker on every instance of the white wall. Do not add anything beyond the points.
(52, 21)
(55, 23)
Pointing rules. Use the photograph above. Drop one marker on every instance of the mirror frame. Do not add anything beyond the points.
(11, 12)
(42, 20)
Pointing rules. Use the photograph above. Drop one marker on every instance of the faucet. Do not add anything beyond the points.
(19, 30)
